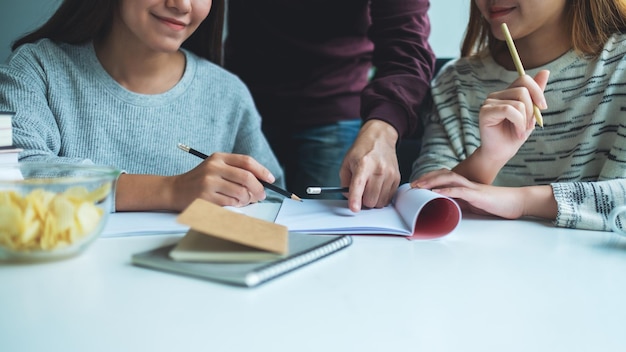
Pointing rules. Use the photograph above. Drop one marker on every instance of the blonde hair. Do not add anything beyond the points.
(591, 23)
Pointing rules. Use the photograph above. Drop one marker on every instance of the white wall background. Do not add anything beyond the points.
(448, 21)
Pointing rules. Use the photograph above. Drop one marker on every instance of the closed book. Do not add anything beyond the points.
(303, 249)
(9, 155)
(6, 129)
(198, 247)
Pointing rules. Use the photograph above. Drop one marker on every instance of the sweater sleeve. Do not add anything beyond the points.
(444, 143)
(436, 151)
(35, 129)
(586, 205)
(404, 63)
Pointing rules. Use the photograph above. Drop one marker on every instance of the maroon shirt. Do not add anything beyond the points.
(307, 62)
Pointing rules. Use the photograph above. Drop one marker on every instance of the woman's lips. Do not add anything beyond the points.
(497, 12)
(172, 23)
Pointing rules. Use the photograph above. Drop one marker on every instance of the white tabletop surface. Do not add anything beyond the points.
(491, 285)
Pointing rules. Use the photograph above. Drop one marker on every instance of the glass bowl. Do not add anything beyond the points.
(52, 211)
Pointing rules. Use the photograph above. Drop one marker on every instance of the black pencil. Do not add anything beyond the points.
(320, 190)
(265, 184)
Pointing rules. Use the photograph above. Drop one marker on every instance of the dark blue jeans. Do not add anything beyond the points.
(313, 156)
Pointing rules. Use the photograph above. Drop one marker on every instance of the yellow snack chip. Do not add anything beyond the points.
(9, 228)
(98, 194)
(62, 209)
(88, 216)
(44, 220)
(40, 199)
(76, 193)
(47, 241)
(30, 223)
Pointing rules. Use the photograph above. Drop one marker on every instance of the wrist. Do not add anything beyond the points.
(539, 201)
(144, 192)
(166, 196)
(479, 167)
(380, 130)
(488, 160)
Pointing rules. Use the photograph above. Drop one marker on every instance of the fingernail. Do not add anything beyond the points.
(272, 179)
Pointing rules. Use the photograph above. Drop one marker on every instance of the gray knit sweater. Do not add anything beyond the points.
(69, 110)
(581, 151)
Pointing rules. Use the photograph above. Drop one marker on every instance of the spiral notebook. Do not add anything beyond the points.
(303, 249)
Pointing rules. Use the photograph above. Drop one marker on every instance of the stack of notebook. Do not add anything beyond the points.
(233, 248)
(8, 153)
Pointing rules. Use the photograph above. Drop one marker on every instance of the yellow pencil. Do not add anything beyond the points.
(519, 67)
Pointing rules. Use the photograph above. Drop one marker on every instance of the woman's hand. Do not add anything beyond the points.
(506, 117)
(505, 121)
(505, 202)
(223, 179)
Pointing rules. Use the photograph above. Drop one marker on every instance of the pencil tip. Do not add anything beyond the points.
(295, 197)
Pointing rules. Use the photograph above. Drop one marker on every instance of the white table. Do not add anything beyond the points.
(491, 285)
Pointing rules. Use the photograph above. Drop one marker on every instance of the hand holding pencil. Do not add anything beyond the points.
(511, 114)
(231, 179)
(506, 120)
(518, 66)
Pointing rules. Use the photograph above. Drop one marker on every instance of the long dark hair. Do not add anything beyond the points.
(80, 21)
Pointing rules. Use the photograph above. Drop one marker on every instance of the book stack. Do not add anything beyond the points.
(8, 152)
(233, 248)
(6, 130)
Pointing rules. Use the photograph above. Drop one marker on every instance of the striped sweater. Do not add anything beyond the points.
(580, 152)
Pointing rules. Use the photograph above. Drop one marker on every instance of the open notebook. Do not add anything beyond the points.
(415, 213)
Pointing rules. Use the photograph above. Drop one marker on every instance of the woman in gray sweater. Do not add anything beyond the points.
(122, 84)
